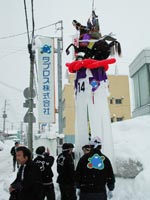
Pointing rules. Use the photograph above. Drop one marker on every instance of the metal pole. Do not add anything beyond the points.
(30, 111)
(61, 34)
(59, 69)
(4, 117)
(4, 121)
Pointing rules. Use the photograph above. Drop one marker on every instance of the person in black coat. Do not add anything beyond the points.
(13, 153)
(45, 162)
(93, 173)
(66, 172)
(72, 150)
(28, 183)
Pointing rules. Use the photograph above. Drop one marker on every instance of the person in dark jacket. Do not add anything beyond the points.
(45, 162)
(93, 173)
(28, 183)
(13, 153)
(71, 149)
(66, 172)
(86, 149)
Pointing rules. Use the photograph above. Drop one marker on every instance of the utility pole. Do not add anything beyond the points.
(29, 94)
(4, 121)
(4, 117)
(30, 111)
(59, 70)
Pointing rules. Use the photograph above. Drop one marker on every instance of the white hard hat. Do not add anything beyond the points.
(95, 141)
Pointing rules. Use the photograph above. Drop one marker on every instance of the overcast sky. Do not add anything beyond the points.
(129, 20)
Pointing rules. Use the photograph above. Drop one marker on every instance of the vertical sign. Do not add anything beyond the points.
(46, 110)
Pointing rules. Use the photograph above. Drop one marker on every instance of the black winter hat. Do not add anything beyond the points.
(65, 147)
(71, 145)
(40, 150)
(87, 146)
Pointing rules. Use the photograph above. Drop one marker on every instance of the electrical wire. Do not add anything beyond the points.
(10, 86)
(33, 22)
(20, 34)
(27, 25)
(36, 70)
(35, 84)
(14, 52)
(36, 78)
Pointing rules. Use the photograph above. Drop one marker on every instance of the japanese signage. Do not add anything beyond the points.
(46, 81)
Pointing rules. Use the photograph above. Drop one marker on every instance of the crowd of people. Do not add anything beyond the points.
(91, 179)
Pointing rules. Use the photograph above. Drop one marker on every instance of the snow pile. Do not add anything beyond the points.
(131, 142)
(128, 168)
(6, 169)
(1, 146)
(50, 134)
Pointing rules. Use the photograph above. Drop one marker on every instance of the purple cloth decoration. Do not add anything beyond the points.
(99, 74)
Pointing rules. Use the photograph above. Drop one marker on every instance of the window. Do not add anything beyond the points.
(118, 119)
(111, 101)
(118, 101)
(136, 90)
(141, 87)
(144, 85)
(112, 119)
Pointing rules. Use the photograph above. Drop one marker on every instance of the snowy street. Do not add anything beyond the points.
(131, 142)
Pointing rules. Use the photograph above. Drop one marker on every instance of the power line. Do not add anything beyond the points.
(33, 22)
(27, 25)
(36, 70)
(14, 52)
(35, 84)
(20, 34)
(10, 86)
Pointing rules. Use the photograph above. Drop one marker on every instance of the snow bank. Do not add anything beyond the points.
(1, 146)
(128, 168)
(6, 169)
(131, 143)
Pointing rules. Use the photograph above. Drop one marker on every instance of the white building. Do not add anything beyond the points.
(140, 73)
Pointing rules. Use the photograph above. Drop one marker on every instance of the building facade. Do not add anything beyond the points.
(140, 74)
(119, 103)
(69, 110)
(119, 99)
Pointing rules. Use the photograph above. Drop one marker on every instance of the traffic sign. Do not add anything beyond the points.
(29, 93)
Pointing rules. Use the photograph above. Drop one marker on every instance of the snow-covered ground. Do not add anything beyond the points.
(6, 169)
(131, 142)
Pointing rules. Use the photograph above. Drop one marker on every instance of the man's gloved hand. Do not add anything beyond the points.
(109, 194)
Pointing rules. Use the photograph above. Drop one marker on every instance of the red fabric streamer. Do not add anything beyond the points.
(89, 64)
